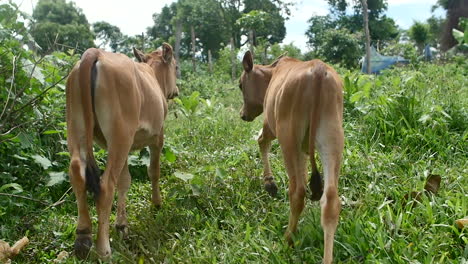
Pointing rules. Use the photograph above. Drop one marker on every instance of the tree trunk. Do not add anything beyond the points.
(143, 41)
(265, 54)
(178, 36)
(366, 30)
(210, 62)
(194, 67)
(233, 61)
(251, 42)
(454, 12)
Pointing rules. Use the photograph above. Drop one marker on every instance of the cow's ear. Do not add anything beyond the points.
(167, 52)
(247, 62)
(139, 55)
(278, 59)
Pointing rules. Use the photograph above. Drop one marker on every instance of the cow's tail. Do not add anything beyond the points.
(319, 72)
(87, 81)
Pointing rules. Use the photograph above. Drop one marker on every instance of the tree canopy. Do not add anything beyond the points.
(60, 25)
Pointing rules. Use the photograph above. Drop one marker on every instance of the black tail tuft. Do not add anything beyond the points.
(316, 185)
(93, 174)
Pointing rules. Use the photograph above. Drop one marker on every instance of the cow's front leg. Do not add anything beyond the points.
(123, 184)
(264, 142)
(154, 170)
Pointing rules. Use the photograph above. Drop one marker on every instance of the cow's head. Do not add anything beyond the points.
(164, 66)
(253, 84)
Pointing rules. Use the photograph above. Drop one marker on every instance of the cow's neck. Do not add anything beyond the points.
(265, 73)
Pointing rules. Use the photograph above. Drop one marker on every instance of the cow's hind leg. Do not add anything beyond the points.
(83, 239)
(330, 145)
(154, 169)
(123, 185)
(119, 147)
(264, 142)
(295, 162)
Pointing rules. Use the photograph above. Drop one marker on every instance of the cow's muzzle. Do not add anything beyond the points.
(246, 118)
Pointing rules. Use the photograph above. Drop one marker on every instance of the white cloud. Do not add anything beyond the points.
(409, 2)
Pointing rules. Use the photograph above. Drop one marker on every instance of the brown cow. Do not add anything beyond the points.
(121, 104)
(303, 106)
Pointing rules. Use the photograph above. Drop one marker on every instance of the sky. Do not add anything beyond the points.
(133, 17)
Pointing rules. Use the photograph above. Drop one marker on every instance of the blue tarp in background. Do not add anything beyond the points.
(379, 62)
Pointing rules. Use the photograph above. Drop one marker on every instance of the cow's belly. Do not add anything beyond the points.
(143, 137)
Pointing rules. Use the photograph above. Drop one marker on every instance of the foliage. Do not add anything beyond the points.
(461, 37)
(382, 28)
(319, 25)
(110, 35)
(60, 25)
(435, 25)
(32, 128)
(214, 23)
(405, 50)
(265, 19)
(340, 47)
(419, 33)
(162, 28)
(400, 126)
(456, 9)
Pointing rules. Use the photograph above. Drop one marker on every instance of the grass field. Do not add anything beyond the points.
(400, 127)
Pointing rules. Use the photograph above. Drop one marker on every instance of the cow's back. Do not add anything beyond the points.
(292, 93)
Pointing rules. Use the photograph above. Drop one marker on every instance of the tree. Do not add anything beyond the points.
(436, 25)
(366, 31)
(319, 25)
(340, 46)
(419, 33)
(59, 25)
(455, 9)
(110, 35)
(162, 30)
(382, 28)
(269, 19)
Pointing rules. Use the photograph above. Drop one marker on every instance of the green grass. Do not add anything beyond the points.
(223, 215)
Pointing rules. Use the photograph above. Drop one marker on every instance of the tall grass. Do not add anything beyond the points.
(400, 127)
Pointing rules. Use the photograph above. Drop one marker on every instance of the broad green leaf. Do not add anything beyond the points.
(458, 35)
(55, 178)
(356, 96)
(196, 190)
(43, 161)
(169, 155)
(25, 140)
(49, 132)
(20, 157)
(183, 176)
(13, 185)
(221, 173)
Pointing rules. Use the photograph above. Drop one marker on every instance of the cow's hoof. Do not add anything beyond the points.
(271, 188)
(122, 230)
(83, 245)
(156, 200)
(288, 237)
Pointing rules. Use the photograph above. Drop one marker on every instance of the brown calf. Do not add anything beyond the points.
(303, 106)
(121, 104)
